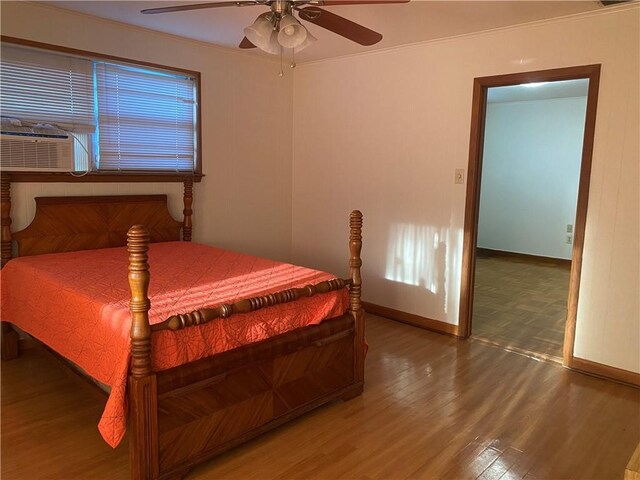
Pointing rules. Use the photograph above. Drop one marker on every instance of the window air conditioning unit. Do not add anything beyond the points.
(34, 150)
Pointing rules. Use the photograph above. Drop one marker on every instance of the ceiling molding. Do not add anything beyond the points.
(301, 61)
(634, 4)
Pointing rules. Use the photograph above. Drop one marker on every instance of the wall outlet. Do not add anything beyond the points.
(569, 228)
(569, 239)
(459, 177)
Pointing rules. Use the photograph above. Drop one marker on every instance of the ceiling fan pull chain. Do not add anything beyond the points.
(281, 73)
(293, 58)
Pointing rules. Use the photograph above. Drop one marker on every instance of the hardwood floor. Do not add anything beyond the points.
(434, 407)
(521, 304)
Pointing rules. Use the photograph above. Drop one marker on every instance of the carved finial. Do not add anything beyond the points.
(355, 262)
(188, 202)
(5, 219)
(138, 245)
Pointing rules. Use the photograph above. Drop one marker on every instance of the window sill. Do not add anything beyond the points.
(95, 177)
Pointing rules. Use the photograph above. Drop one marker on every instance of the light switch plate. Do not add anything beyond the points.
(459, 177)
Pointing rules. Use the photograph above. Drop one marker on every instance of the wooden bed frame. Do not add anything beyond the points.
(190, 413)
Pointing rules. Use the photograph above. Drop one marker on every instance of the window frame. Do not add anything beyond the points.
(110, 176)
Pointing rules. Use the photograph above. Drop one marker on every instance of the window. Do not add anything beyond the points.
(40, 87)
(145, 119)
(124, 118)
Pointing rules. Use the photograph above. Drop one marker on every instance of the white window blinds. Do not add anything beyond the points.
(146, 119)
(44, 87)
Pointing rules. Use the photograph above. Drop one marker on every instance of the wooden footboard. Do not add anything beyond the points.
(222, 401)
(185, 415)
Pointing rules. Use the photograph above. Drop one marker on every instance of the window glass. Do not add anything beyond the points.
(121, 117)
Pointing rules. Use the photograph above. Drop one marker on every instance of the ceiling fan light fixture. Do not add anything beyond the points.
(292, 34)
(261, 31)
(273, 47)
(308, 41)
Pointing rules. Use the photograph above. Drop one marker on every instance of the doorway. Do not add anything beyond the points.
(497, 256)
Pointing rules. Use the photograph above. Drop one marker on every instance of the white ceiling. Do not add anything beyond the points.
(538, 91)
(400, 24)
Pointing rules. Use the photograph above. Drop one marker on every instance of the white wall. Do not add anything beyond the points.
(384, 131)
(530, 172)
(244, 202)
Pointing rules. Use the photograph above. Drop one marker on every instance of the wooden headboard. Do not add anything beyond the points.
(66, 224)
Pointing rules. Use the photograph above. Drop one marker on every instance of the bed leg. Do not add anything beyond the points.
(143, 391)
(9, 342)
(143, 428)
(352, 392)
(355, 290)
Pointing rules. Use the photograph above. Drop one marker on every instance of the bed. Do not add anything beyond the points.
(297, 342)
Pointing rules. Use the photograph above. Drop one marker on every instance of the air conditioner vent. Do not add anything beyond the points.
(36, 153)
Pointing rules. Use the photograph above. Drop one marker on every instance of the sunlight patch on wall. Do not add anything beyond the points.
(453, 267)
(416, 255)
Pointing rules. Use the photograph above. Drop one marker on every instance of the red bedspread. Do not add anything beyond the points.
(77, 303)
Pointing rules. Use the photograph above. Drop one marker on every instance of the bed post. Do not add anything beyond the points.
(355, 307)
(9, 346)
(187, 199)
(5, 202)
(143, 394)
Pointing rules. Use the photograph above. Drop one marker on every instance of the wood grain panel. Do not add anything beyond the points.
(222, 399)
(204, 416)
(187, 405)
(305, 362)
(328, 369)
(65, 224)
(179, 445)
(257, 353)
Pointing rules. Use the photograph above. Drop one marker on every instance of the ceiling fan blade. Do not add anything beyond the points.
(331, 3)
(340, 25)
(198, 6)
(246, 43)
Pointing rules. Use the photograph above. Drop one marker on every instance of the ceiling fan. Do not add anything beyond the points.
(279, 28)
